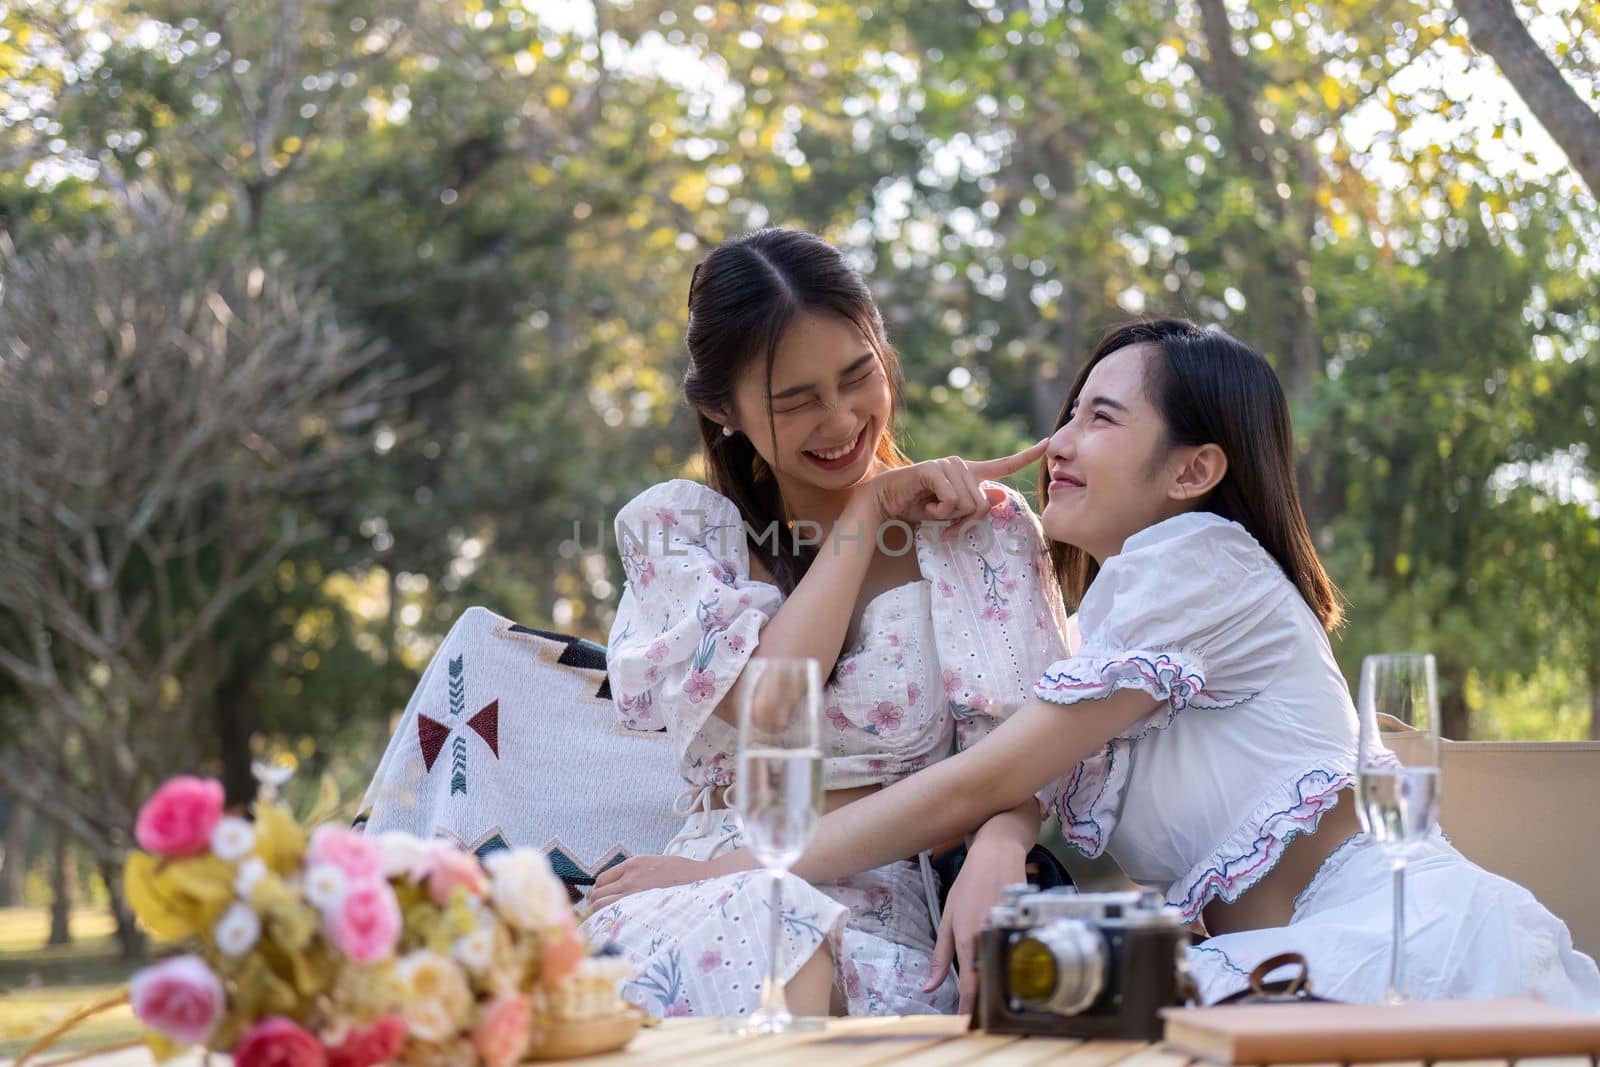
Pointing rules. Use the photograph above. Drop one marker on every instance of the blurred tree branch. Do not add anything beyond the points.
(1495, 29)
(169, 422)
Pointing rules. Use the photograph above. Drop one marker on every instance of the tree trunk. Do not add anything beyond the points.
(130, 939)
(234, 717)
(1594, 699)
(1496, 30)
(14, 859)
(1455, 716)
(61, 879)
(1287, 323)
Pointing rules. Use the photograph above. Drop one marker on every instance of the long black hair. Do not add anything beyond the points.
(1212, 388)
(742, 299)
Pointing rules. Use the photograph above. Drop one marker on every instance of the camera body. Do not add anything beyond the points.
(1066, 964)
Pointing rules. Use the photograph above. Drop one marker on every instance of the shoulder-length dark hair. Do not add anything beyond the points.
(742, 299)
(1212, 388)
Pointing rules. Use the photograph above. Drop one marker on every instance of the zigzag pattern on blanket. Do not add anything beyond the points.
(537, 758)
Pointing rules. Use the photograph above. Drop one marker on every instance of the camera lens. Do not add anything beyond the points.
(1059, 967)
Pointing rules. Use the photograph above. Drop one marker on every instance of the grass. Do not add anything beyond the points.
(40, 986)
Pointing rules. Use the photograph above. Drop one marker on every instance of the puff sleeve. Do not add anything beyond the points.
(688, 621)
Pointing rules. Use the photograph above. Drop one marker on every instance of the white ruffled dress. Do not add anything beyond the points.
(1255, 738)
(939, 662)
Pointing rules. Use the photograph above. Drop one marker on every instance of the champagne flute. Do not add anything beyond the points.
(1399, 788)
(779, 797)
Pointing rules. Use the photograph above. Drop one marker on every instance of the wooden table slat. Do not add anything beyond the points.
(1156, 1055)
(961, 1050)
(1555, 1061)
(1099, 1053)
(1029, 1051)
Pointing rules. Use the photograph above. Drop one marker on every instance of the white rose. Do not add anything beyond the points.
(475, 951)
(237, 931)
(325, 886)
(250, 872)
(402, 853)
(232, 839)
(526, 892)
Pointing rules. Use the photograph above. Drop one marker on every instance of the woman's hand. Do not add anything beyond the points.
(990, 866)
(639, 873)
(943, 490)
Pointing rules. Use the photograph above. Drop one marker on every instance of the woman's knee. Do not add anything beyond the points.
(811, 990)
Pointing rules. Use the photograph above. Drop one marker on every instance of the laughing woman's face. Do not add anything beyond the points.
(830, 401)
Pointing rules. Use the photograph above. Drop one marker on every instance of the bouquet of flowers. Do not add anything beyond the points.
(333, 949)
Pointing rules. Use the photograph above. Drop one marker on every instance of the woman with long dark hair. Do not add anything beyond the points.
(1202, 732)
(927, 641)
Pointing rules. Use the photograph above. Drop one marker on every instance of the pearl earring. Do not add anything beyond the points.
(727, 431)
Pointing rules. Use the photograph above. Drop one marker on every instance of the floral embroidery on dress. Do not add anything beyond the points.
(701, 684)
(995, 589)
(884, 718)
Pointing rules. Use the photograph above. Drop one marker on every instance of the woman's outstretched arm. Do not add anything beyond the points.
(1035, 746)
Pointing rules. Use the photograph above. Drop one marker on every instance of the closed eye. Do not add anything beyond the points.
(861, 378)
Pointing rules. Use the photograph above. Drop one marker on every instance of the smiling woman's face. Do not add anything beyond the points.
(1108, 463)
(830, 401)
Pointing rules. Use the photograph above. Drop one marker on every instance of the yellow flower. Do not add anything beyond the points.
(440, 997)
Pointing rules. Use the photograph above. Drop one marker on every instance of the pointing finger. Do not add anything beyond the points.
(1006, 466)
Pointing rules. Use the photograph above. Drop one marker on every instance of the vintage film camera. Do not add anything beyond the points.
(1068, 964)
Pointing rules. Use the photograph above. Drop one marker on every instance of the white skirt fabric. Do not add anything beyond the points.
(1469, 934)
(701, 949)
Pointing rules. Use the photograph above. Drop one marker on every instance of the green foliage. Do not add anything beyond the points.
(513, 200)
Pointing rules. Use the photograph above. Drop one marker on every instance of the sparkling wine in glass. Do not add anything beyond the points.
(779, 796)
(1397, 776)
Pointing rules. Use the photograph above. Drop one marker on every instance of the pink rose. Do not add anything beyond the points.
(358, 856)
(454, 868)
(504, 1031)
(178, 818)
(559, 956)
(178, 998)
(277, 1041)
(367, 1046)
(365, 924)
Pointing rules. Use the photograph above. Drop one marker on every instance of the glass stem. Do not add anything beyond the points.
(773, 1003)
(1397, 949)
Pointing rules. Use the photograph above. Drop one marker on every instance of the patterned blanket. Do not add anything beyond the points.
(510, 739)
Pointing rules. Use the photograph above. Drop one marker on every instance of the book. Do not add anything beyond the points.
(1357, 1033)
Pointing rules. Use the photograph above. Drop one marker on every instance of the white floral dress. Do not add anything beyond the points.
(1254, 740)
(939, 662)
